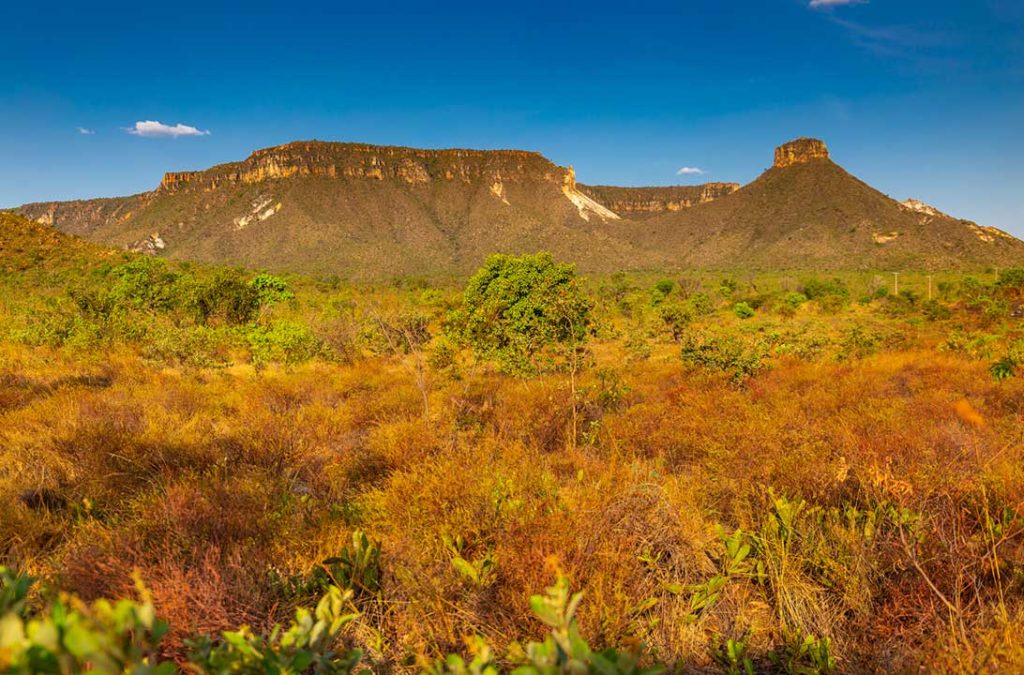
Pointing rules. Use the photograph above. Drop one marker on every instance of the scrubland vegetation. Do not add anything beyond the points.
(782, 473)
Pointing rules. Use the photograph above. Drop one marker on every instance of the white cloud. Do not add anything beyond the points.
(834, 3)
(85, 132)
(152, 129)
(690, 171)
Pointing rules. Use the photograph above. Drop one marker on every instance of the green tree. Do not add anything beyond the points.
(527, 314)
(523, 312)
(270, 289)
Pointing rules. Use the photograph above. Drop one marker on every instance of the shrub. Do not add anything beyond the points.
(700, 304)
(1012, 279)
(675, 316)
(934, 310)
(70, 636)
(270, 289)
(282, 342)
(791, 303)
(516, 307)
(816, 289)
(859, 342)
(661, 291)
(726, 354)
(743, 310)
(225, 296)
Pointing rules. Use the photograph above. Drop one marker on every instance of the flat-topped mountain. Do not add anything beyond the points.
(808, 212)
(357, 210)
(368, 211)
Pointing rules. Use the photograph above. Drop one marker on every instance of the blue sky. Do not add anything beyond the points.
(920, 99)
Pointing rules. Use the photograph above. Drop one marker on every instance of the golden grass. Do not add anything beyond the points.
(206, 480)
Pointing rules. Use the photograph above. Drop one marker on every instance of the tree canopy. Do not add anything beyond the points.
(517, 307)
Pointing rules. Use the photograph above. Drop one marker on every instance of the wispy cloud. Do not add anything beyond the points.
(690, 171)
(85, 132)
(833, 3)
(153, 129)
(900, 41)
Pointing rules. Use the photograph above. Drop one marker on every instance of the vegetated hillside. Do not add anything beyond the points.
(366, 211)
(358, 210)
(806, 211)
(29, 250)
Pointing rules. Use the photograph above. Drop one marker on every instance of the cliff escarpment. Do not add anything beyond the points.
(638, 202)
(374, 162)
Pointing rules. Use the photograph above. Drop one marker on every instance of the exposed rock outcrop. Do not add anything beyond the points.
(921, 207)
(151, 245)
(373, 162)
(799, 151)
(644, 201)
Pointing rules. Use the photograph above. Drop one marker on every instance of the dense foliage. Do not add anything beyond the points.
(515, 307)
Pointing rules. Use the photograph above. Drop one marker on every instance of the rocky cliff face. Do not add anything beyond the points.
(371, 162)
(644, 201)
(799, 151)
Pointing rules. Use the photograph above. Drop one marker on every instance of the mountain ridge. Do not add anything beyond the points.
(369, 211)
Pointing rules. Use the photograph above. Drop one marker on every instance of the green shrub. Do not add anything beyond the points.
(858, 342)
(816, 289)
(791, 302)
(700, 304)
(225, 296)
(270, 289)
(743, 310)
(1011, 279)
(514, 308)
(726, 354)
(934, 310)
(282, 342)
(661, 291)
(676, 316)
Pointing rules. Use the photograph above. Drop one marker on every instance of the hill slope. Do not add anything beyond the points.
(373, 211)
(806, 211)
(26, 245)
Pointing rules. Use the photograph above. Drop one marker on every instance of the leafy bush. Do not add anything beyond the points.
(858, 342)
(730, 355)
(676, 316)
(743, 310)
(70, 636)
(661, 291)
(270, 290)
(516, 307)
(1012, 280)
(701, 304)
(816, 289)
(934, 310)
(283, 342)
(225, 296)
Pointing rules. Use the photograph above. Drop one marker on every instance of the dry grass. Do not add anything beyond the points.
(901, 464)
